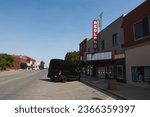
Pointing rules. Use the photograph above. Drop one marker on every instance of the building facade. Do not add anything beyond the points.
(19, 59)
(83, 49)
(86, 47)
(108, 59)
(137, 42)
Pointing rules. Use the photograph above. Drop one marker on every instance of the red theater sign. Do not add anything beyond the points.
(95, 33)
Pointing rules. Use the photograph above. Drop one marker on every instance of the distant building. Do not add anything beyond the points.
(36, 67)
(18, 59)
(137, 43)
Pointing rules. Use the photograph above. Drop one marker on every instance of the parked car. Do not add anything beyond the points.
(62, 70)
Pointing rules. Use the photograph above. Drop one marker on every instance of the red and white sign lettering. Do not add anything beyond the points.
(95, 33)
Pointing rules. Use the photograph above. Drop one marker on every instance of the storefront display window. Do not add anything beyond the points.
(147, 73)
(140, 73)
(120, 72)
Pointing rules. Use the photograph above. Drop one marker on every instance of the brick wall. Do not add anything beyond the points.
(130, 19)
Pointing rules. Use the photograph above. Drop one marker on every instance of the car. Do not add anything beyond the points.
(63, 70)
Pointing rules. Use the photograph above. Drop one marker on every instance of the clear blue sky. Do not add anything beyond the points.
(45, 29)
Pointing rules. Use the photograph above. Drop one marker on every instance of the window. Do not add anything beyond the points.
(146, 26)
(138, 30)
(149, 24)
(89, 50)
(119, 72)
(147, 73)
(110, 71)
(115, 39)
(141, 73)
(103, 44)
(137, 74)
(142, 28)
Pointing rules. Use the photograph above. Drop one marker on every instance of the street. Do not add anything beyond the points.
(34, 85)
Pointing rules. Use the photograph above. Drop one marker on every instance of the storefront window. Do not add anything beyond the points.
(100, 72)
(119, 72)
(110, 71)
(140, 74)
(149, 24)
(147, 73)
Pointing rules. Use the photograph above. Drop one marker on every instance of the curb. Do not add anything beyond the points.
(104, 90)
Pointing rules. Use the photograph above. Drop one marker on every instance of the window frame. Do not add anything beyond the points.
(145, 76)
(143, 37)
(149, 23)
(115, 39)
(120, 76)
(103, 44)
(137, 70)
(136, 39)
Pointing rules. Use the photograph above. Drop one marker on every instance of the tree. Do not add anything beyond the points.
(42, 63)
(72, 56)
(6, 61)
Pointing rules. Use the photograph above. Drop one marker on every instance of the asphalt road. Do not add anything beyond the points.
(34, 85)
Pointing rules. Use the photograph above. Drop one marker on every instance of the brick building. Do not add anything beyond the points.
(18, 59)
(83, 49)
(137, 42)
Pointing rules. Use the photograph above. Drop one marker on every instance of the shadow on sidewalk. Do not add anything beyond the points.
(120, 90)
(102, 86)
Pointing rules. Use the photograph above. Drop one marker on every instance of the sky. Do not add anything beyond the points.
(46, 29)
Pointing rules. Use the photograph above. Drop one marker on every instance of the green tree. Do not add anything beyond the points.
(6, 61)
(42, 63)
(72, 56)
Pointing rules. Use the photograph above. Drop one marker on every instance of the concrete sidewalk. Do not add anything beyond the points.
(125, 91)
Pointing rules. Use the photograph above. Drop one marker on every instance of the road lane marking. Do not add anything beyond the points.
(6, 81)
(69, 90)
(108, 98)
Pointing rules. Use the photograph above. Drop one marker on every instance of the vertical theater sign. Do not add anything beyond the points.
(95, 31)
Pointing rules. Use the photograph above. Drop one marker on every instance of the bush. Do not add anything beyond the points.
(6, 61)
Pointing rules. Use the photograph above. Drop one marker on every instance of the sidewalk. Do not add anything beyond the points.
(123, 90)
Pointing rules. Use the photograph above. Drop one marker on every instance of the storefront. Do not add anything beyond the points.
(138, 65)
(113, 69)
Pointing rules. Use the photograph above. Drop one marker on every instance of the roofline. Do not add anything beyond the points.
(122, 16)
(136, 7)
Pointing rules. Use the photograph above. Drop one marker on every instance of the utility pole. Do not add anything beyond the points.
(100, 20)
